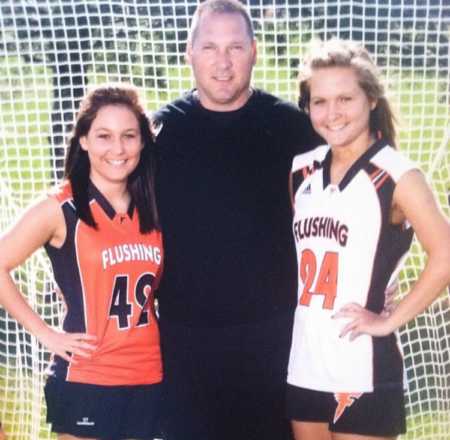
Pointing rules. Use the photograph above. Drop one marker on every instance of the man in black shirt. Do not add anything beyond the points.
(228, 293)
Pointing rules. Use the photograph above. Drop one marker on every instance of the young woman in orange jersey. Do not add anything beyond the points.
(356, 203)
(100, 229)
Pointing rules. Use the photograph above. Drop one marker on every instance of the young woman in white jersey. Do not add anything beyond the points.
(357, 202)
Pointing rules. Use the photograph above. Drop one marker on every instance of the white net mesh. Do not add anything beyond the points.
(50, 50)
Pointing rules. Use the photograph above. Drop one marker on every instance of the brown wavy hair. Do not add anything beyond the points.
(77, 166)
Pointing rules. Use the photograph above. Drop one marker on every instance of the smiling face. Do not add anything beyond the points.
(113, 144)
(222, 55)
(339, 108)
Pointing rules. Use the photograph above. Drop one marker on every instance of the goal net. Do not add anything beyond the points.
(50, 50)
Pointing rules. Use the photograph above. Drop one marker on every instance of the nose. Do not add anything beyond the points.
(223, 59)
(333, 111)
(117, 145)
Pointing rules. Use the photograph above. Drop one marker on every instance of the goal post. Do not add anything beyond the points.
(51, 50)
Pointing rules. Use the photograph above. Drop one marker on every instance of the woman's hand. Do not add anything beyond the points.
(362, 321)
(67, 344)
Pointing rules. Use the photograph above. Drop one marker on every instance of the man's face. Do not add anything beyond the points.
(222, 55)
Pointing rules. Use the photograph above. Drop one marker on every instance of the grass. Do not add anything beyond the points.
(429, 426)
(17, 407)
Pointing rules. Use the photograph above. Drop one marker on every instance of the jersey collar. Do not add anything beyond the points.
(94, 193)
(354, 169)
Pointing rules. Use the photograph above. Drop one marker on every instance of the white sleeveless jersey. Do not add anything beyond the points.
(347, 251)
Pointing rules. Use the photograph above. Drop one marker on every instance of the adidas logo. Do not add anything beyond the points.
(307, 190)
(85, 422)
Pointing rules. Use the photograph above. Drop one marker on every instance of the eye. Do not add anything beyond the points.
(345, 98)
(103, 136)
(236, 47)
(316, 102)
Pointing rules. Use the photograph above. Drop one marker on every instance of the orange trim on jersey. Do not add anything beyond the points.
(378, 177)
(376, 173)
(381, 181)
(307, 171)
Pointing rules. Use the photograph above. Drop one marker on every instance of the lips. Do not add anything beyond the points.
(223, 78)
(116, 162)
(336, 128)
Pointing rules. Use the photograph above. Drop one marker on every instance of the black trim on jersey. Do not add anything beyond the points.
(397, 240)
(94, 193)
(298, 177)
(394, 237)
(356, 166)
(67, 276)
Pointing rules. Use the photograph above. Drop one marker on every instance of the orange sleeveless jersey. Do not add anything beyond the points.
(107, 276)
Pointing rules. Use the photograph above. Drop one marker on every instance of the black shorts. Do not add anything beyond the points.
(380, 413)
(226, 383)
(105, 412)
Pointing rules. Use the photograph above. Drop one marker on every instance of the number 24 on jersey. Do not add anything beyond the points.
(319, 280)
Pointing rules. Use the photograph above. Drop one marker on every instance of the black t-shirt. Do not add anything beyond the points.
(222, 193)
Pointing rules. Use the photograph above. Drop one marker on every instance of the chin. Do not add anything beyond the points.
(223, 98)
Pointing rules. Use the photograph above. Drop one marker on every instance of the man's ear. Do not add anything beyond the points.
(255, 51)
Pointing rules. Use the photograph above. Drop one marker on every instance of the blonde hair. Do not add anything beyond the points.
(350, 54)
